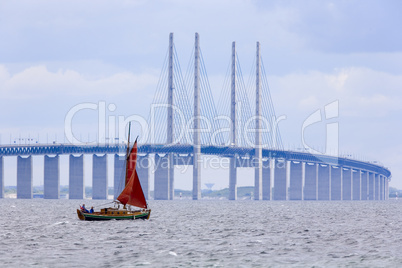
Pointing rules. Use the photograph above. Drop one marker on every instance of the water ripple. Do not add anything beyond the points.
(47, 233)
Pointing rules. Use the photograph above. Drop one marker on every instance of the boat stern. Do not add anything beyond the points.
(149, 214)
(80, 215)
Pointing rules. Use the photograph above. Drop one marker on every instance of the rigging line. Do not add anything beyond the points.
(160, 76)
(266, 108)
(278, 136)
(182, 96)
(270, 119)
(207, 124)
(244, 98)
(267, 86)
(104, 204)
(241, 110)
(210, 102)
(205, 98)
(181, 83)
(203, 112)
(158, 94)
(122, 174)
(243, 87)
(159, 91)
(179, 95)
(246, 110)
(225, 92)
(215, 123)
(251, 83)
(224, 108)
(213, 110)
(186, 109)
(161, 82)
(225, 101)
(163, 93)
(267, 95)
(265, 136)
(266, 114)
(189, 83)
(189, 70)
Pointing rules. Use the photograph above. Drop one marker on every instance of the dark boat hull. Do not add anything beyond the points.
(143, 215)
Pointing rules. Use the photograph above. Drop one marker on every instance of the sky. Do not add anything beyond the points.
(55, 55)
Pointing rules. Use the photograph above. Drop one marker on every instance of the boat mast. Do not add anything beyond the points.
(127, 154)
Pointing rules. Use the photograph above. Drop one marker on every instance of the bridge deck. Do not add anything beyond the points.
(222, 151)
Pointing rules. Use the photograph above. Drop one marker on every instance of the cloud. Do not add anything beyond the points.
(36, 99)
(310, 101)
(348, 26)
(38, 82)
(357, 90)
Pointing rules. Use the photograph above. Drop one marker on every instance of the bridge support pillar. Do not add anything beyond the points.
(1, 177)
(324, 182)
(197, 174)
(310, 181)
(381, 187)
(76, 178)
(386, 189)
(143, 173)
(161, 191)
(24, 177)
(119, 174)
(51, 177)
(377, 186)
(371, 186)
(347, 174)
(280, 185)
(171, 176)
(258, 175)
(99, 177)
(364, 185)
(266, 179)
(232, 179)
(356, 175)
(336, 183)
(296, 181)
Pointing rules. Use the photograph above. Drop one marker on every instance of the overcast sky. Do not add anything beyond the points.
(55, 55)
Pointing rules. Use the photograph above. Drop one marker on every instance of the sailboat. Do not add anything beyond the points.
(131, 198)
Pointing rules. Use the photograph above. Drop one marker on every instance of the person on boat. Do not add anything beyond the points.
(84, 209)
(91, 210)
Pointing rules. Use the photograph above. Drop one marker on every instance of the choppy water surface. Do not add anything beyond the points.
(47, 233)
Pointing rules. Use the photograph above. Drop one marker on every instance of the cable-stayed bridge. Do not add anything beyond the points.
(185, 124)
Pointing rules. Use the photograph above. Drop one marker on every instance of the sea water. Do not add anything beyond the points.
(184, 233)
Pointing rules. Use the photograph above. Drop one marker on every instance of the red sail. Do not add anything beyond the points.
(132, 193)
(131, 163)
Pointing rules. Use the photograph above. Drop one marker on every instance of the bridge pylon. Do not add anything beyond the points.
(233, 128)
(258, 134)
(196, 138)
(170, 120)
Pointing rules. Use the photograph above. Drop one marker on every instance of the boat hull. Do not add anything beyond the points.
(137, 215)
